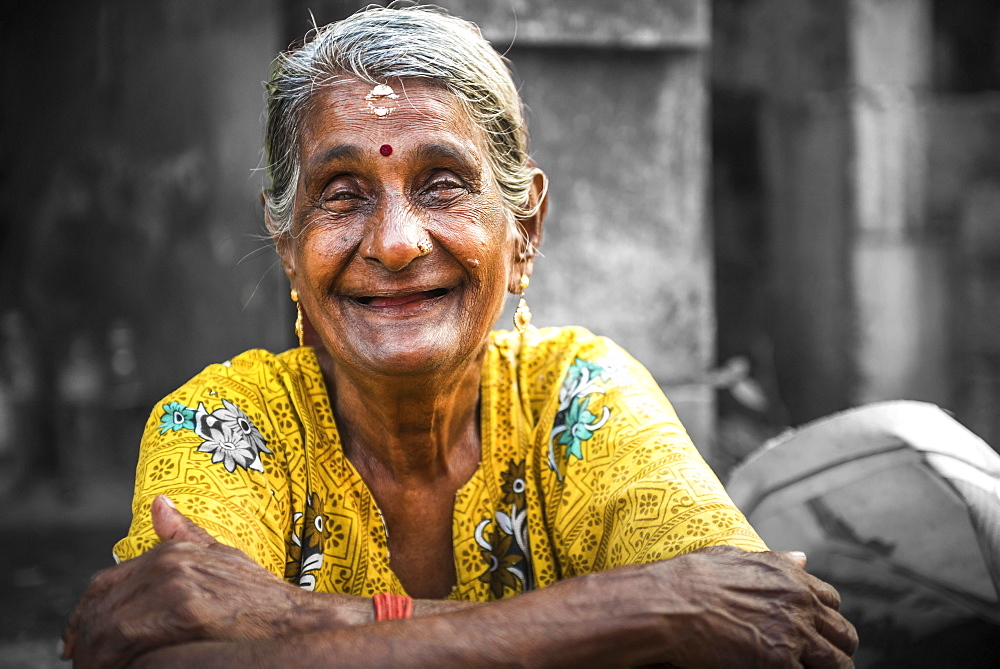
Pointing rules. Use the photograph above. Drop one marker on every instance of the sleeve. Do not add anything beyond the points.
(208, 447)
(630, 486)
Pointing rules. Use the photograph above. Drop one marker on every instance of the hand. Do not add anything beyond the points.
(188, 588)
(727, 608)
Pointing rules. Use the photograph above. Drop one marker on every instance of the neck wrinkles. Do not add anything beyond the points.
(396, 429)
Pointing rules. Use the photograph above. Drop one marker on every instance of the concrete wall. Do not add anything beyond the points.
(964, 200)
(874, 124)
(859, 283)
(131, 236)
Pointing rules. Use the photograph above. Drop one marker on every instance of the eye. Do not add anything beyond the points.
(341, 195)
(445, 186)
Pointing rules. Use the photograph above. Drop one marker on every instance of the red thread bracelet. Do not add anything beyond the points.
(392, 607)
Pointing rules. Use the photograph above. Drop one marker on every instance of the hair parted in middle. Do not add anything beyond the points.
(377, 44)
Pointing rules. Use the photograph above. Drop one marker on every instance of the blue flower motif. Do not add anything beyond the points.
(579, 366)
(574, 422)
(176, 417)
(579, 427)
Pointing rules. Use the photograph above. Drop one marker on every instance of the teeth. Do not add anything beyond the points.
(393, 300)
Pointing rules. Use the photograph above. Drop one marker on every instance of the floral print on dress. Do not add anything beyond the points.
(305, 554)
(176, 417)
(575, 423)
(514, 486)
(505, 547)
(227, 433)
(230, 437)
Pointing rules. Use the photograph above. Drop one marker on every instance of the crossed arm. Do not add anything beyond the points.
(193, 600)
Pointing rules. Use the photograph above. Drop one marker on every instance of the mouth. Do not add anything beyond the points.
(399, 300)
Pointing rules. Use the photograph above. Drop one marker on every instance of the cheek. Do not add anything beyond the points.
(321, 256)
(480, 238)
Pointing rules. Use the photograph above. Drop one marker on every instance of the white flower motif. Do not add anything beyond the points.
(577, 385)
(230, 437)
(240, 424)
(515, 524)
(312, 562)
(308, 582)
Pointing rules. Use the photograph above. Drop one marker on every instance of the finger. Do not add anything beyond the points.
(72, 629)
(798, 558)
(824, 592)
(99, 585)
(66, 643)
(170, 523)
(821, 654)
(838, 631)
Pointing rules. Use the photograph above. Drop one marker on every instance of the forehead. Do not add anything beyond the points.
(342, 114)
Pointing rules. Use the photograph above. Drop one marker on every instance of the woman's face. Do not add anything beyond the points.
(400, 249)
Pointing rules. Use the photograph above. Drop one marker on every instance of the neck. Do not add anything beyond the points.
(407, 429)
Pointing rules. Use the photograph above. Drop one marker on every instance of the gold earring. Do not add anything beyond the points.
(522, 315)
(298, 316)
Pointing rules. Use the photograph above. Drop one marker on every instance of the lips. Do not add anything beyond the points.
(401, 299)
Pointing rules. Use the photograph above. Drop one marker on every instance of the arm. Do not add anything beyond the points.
(191, 587)
(580, 622)
(716, 607)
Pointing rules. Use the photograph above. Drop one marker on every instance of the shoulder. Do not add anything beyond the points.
(251, 394)
(252, 375)
(258, 365)
(547, 356)
(549, 342)
(220, 446)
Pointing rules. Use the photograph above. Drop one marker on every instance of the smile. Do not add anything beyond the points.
(401, 299)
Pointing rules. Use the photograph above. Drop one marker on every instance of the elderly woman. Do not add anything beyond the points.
(408, 487)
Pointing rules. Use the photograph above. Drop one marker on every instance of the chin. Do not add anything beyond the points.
(417, 353)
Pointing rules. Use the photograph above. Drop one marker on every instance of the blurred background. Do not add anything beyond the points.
(783, 208)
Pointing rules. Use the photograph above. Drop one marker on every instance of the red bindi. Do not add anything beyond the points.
(385, 150)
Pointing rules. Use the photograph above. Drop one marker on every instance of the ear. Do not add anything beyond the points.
(282, 243)
(284, 247)
(538, 203)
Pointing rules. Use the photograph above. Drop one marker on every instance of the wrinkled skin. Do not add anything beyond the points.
(188, 588)
(745, 609)
(717, 607)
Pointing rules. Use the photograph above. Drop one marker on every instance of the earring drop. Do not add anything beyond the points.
(522, 315)
(298, 317)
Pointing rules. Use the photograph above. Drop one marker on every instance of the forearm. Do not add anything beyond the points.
(556, 626)
(318, 612)
(719, 607)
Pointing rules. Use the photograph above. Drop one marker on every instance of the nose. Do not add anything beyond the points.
(395, 237)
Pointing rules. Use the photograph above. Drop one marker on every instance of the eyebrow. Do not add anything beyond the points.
(428, 152)
(458, 154)
(339, 152)
(438, 151)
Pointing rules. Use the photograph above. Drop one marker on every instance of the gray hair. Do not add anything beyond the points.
(377, 44)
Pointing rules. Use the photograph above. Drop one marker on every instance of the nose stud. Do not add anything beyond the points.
(424, 247)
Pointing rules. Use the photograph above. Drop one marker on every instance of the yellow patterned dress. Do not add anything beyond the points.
(584, 467)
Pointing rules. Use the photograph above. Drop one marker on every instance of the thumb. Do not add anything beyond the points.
(170, 523)
(797, 557)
